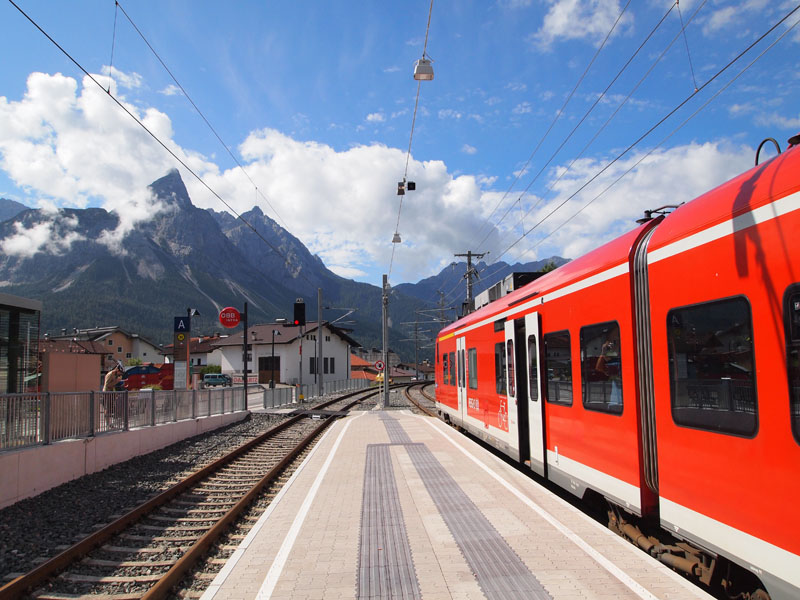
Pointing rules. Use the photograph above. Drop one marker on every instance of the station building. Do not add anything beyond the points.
(19, 343)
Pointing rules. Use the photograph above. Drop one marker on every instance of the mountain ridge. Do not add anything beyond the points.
(185, 257)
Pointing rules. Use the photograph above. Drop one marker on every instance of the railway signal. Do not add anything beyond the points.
(300, 312)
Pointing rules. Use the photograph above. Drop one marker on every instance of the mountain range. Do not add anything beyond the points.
(190, 257)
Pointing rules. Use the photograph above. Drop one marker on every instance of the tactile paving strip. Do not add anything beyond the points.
(385, 565)
(499, 571)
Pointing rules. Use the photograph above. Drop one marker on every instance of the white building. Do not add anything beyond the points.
(274, 351)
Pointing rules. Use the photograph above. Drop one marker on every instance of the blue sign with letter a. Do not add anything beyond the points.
(183, 324)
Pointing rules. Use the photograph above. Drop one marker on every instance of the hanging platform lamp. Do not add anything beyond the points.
(423, 69)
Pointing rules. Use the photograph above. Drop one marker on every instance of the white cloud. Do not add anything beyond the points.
(467, 149)
(579, 19)
(73, 147)
(171, 90)
(376, 117)
(672, 176)
(130, 81)
(52, 236)
(776, 120)
(522, 108)
(449, 113)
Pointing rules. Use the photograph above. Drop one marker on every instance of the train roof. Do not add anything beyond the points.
(775, 178)
(608, 255)
(757, 187)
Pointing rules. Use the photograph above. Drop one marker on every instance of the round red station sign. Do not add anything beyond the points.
(229, 317)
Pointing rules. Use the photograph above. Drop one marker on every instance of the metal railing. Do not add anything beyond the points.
(31, 419)
(282, 396)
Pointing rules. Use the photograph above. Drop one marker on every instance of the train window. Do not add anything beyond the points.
(601, 367)
(510, 362)
(472, 369)
(792, 324)
(461, 383)
(445, 374)
(452, 380)
(711, 364)
(533, 368)
(558, 366)
(500, 368)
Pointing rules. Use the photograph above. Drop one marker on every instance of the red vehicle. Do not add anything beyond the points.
(142, 376)
(659, 375)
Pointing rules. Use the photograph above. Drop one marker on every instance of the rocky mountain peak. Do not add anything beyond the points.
(171, 189)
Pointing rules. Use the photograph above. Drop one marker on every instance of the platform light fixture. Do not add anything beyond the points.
(396, 238)
(423, 69)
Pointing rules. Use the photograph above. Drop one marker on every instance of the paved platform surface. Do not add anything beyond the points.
(395, 505)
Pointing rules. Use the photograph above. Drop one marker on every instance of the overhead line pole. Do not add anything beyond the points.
(470, 272)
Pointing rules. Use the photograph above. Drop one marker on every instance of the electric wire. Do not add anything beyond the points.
(521, 171)
(686, 41)
(649, 131)
(619, 107)
(199, 112)
(155, 137)
(113, 42)
(410, 138)
(580, 122)
(673, 132)
(660, 143)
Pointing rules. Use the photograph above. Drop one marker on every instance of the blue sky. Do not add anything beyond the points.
(315, 99)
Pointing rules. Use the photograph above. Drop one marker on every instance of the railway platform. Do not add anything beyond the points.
(394, 505)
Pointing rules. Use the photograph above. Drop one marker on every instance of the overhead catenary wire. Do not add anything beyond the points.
(656, 125)
(113, 42)
(686, 41)
(153, 135)
(410, 138)
(659, 144)
(521, 171)
(586, 115)
(611, 117)
(668, 136)
(199, 112)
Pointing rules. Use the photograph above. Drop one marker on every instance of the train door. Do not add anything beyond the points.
(461, 383)
(535, 403)
(510, 413)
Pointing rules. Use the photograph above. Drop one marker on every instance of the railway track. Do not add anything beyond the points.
(419, 397)
(159, 544)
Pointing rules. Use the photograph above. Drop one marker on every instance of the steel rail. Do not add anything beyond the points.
(411, 399)
(17, 587)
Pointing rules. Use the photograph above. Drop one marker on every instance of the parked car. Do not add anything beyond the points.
(215, 379)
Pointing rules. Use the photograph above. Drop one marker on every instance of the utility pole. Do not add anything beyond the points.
(385, 304)
(244, 352)
(319, 342)
(470, 272)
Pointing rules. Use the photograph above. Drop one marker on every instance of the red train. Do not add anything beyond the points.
(660, 373)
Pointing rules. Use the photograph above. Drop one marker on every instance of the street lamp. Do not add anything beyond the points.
(272, 361)
(190, 312)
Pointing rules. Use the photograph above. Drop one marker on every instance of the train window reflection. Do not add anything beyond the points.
(500, 368)
(533, 368)
(711, 363)
(601, 367)
(792, 323)
(510, 362)
(472, 368)
(558, 366)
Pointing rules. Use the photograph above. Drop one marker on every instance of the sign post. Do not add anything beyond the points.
(180, 343)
